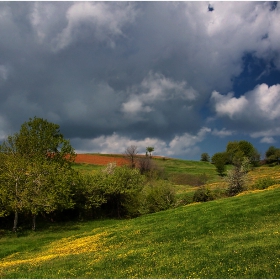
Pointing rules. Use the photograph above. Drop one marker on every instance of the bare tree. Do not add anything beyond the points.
(131, 154)
(145, 164)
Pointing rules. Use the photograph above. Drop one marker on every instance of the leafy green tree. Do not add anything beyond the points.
(150, 150)
(39, 138)
(49, 186)
(219, 160)
(13, 192)
(238, 158)
(36, 173)
(89, 193)
(247, 148)
(237, 150)
(231, 150)
(205, 157)
(121, 190)
(272, 155)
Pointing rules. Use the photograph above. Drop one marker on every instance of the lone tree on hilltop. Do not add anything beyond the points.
(150, 150)
(205, 157)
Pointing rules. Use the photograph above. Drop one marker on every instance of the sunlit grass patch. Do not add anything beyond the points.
(58, 249)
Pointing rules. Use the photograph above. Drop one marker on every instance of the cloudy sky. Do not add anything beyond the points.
(183, 77)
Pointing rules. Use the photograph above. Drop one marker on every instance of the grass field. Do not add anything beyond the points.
(234, 237)
(228, 238)
(169, 165)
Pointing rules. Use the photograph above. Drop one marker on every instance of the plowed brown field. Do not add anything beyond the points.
(100, 160)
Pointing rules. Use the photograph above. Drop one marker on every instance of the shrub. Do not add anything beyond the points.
(264, 183)
(157, 196)
(184, 199)
(203, 194)
(236, 181)
(150, 169)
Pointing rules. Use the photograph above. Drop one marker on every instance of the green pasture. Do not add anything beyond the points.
(234, 237)
(168, 165)
(86, 168)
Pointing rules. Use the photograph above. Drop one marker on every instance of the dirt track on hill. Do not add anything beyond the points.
(100, 160)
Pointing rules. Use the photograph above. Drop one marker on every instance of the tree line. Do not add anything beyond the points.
(235, 153)
(37, 178)
(242, 155)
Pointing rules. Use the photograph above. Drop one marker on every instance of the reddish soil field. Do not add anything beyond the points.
(100, 160)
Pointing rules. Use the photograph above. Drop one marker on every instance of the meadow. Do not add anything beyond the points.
(235, 237)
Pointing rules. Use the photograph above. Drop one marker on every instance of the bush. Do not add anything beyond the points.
(236, 181)
(157, 196)
(184, 199)
(264, 183)
(203, 194)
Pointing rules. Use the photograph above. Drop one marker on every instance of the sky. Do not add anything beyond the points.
(183, 77)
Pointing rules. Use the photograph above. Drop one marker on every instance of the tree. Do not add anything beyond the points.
(237, 178)
(150, 150)
(145, 164)
(205, 157)
(121, 189)
(49, 186)
(272, 155)
(90, 190)
(219, 160)
(231, 150)
(13, 177)
(39, 138)
(36, 174)
(237, 150)
(131, 154)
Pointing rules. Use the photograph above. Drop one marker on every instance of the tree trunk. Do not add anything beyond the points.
(15, 221)
(34, 222)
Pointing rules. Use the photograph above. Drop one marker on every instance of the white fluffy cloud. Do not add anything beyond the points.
(105, 22)
(156, 87)
(262, 103)
(228, 104)
(180, 145)
(186, 143)
(257, 112)
(268, 140)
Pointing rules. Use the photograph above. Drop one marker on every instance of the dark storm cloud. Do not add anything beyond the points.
(134, 71)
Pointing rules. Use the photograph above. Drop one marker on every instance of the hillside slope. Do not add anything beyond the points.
(228, 238)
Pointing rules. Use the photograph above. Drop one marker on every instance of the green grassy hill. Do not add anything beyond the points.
(234, 237)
